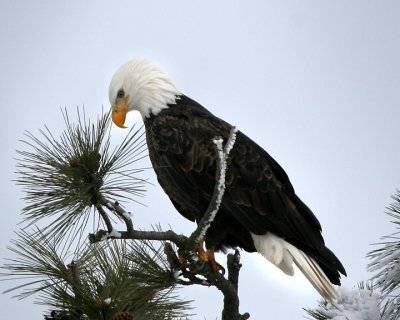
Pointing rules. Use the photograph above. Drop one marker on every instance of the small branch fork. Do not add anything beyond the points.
(204, 274)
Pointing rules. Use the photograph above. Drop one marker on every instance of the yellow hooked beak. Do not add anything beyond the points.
(119, 111)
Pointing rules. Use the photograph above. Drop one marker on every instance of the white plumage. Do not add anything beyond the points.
(149, 88)
(282, 254)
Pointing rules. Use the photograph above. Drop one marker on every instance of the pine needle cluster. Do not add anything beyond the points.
(105, 281)
(67, 180)
(63, 176)
(357, 303)
(380, 299)
(386, 263)
(120, 275)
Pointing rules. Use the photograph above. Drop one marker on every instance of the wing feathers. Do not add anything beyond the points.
(312, 271)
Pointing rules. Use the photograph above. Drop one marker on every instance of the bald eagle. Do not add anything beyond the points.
(260, 210)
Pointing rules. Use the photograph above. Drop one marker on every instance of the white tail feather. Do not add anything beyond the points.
(282, 254)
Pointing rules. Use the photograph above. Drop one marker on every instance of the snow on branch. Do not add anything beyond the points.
(231, 141)
(385, 261)
(354, 304)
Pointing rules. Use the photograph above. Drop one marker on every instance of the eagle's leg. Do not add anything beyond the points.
(208, 256)
(201, 253)
(214, 264)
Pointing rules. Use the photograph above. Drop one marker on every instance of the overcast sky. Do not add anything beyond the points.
(316, 83)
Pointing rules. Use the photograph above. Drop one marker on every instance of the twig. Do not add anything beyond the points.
(219, 189)
(229, 288)
(73, 268)
(178, 239)
(105, 217)
(115, 207)
(234, 265)
(231, 140)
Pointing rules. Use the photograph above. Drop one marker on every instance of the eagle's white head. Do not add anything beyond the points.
(140, 85)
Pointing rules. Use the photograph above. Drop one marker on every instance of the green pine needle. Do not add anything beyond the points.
(327, 310)
(385, 262)
(99, 282)
(63, 176)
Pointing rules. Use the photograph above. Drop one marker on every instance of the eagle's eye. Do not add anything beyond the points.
(120, 94)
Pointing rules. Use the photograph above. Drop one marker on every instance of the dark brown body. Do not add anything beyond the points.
(259, 197)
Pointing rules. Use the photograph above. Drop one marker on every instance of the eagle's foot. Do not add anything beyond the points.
(202, 262)
(207, 256)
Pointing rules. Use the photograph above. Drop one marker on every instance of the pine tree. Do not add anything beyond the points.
(386, 263)
(380, 298)
(360, 303)
(75, 182)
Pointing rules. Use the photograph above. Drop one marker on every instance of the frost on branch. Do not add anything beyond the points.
(219, 189)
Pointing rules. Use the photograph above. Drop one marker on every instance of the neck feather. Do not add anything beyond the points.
(151, 89)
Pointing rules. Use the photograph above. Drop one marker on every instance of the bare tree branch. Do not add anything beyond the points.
(104, 216)
(229, 288)
(126, 216)
(179, 240)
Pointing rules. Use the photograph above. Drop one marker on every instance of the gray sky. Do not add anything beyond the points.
(315, 83)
